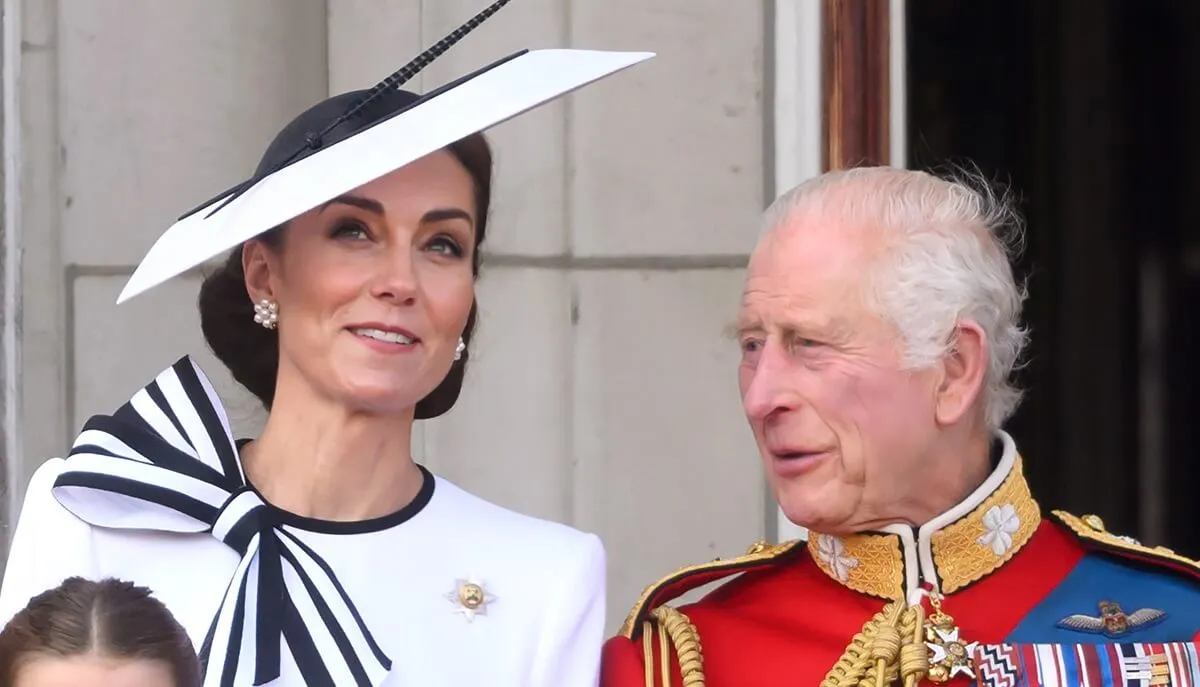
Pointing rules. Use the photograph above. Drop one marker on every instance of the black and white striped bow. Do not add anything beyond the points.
(167, 461)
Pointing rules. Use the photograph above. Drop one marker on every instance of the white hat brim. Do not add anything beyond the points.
(516, 86)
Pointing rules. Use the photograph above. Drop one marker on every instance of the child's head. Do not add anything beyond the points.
(105, 634)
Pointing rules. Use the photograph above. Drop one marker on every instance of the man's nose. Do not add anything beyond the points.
(772, 388)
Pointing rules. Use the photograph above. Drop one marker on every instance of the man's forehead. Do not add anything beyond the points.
(809, 267)
(809, 258)
(815, 298)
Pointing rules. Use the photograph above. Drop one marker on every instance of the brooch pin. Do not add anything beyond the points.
(470, 598)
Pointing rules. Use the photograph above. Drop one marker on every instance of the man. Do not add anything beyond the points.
(879, 326)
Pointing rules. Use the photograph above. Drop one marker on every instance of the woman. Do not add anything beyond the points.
(320, 553)
(102, 634)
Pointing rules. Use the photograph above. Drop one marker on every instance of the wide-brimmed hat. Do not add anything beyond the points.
(352, 139)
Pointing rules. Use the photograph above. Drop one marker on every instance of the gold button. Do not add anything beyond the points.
(470, 595)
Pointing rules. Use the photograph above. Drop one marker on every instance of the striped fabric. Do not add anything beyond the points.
(167, 461)
(1087, 665)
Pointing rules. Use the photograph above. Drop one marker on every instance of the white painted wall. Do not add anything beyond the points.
(601, 393)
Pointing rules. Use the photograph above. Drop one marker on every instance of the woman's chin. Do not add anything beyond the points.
(364, 386)
(372, 396)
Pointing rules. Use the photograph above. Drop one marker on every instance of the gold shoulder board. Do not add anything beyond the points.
(653, 618)
(690, 577)
(1091, 529)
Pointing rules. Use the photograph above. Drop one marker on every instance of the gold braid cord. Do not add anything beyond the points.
(890, 647)
(679, 630)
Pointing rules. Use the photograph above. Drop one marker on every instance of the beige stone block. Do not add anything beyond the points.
(509, 437)
(667, 472)
(119, 349)
(163, 105)
(369, 39)
(667, 158)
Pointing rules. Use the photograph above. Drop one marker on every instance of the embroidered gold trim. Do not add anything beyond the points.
(649, 631)
(757, 553)
(960, 553)
(664, 650)
(874, 562)
(1091, 527)
(648, 652)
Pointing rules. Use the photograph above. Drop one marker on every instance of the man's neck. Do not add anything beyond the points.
(314, 459)
(956, 469)
(958, 473)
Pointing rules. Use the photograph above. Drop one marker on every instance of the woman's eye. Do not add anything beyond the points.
(350, 229)
(446, 246)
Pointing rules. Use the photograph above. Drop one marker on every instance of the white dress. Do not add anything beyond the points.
(452, 590)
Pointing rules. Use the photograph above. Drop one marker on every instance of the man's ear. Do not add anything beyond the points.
(260, 265)
(964, 370)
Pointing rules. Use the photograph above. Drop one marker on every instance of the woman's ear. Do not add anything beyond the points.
(259, 265)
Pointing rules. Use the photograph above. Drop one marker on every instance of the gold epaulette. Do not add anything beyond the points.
(1091, 529)
(651, 616)
(676, 584)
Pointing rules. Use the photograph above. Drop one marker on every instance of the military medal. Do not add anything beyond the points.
(949, 655)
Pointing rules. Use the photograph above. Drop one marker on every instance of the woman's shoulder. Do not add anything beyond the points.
(48, 544)
(534, 536)
(532, 562)
(46, 473)
(39, 503)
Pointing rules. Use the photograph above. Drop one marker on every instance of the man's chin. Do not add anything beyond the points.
(812, 512)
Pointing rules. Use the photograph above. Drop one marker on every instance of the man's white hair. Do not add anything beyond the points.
(948, 243)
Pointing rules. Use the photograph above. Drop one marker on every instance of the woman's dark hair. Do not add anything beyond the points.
(110, 618)
(251, 351)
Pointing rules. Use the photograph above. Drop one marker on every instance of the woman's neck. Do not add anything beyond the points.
(316, 460)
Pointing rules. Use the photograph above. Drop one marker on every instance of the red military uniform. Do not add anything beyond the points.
(1027, 600)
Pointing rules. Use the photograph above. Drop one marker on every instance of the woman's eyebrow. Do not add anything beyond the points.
(367, 204)
(443, 214)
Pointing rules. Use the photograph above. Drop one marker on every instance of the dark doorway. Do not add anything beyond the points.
(1088, 111)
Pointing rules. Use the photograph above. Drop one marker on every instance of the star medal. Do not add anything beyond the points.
(949, 655)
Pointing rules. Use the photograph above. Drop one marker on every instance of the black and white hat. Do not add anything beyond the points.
(354, 138)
